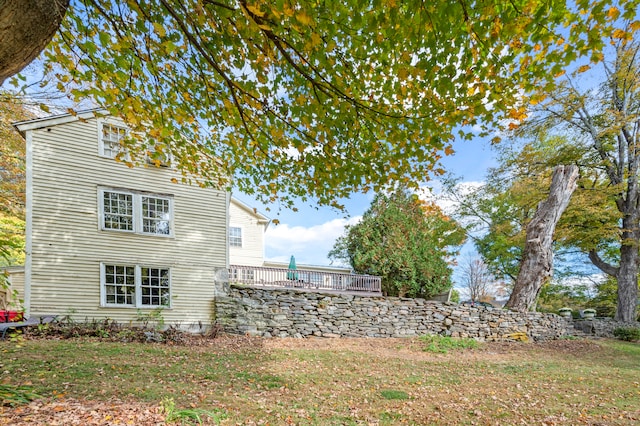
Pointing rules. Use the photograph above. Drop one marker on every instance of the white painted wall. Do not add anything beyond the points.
(253, 226)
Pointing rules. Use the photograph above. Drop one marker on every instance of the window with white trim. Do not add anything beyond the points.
(158, 156)
(109, 137)
(156, 215)
(119, 285)
(136, 212)
(117, 211)
(235, 236)
(135, 286)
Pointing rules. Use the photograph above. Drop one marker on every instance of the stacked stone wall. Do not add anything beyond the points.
(601, 327)
(292, 313)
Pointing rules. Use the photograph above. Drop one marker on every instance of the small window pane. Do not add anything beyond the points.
(154, 287)
(111, 137)
(118, 211)
(120, 285)
(235, 236)
(156, 216)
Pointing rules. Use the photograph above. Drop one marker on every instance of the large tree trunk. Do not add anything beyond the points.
(537, 261)
(627, 273)
(627, 278)
(26, 26)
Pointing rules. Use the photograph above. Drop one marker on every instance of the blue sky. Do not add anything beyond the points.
(310, 233)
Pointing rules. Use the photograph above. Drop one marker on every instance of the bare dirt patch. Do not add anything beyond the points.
(413, 348)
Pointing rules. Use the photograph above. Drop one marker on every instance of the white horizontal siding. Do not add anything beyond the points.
(252, 251)
(68, 246)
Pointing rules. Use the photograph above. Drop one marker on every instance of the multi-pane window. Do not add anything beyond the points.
(154, 287)
(119, 285)
(136, 286)
(158, 157)
(235, 236)
(118, 211)
(156, 215)
(136, 212)
(110, 137)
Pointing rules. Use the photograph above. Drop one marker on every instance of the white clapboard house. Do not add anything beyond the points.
(105, 240)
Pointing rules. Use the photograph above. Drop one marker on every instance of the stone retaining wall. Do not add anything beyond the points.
(601, 327)
(292, 313)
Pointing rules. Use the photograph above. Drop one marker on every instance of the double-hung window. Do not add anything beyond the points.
(235, 236)
(156, 215)
(135, 286)
(110, 137)
(159, 156)
(117, 211)
(137, 212)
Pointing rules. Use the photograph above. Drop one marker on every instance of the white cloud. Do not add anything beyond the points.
(309, 245)
(446, 202)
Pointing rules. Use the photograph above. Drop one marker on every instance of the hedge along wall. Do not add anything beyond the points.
(294, 313)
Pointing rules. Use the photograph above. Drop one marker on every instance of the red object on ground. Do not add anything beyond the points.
(10, 316)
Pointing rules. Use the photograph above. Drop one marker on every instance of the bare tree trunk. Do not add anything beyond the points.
(537, 260)
(627, 273)
(26, 26)
(627, 278)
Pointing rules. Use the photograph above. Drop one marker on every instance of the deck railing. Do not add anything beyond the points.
(304, 279)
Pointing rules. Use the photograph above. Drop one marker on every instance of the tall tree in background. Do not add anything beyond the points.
(605, 122)
(307, 99)
(408, 242)
(478, 280)
(536, 266)
(498, 212)
(12, 182)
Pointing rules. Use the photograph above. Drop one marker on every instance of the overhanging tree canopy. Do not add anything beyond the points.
(317, 98)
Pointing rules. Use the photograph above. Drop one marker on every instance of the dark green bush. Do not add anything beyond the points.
(629, 334)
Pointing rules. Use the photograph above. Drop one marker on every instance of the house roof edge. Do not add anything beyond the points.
(54, 120)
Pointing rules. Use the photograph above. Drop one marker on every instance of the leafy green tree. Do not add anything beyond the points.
(12, 158)
(406, 241)
(455, 296)
(307, 99)
(12, 240)
(555, 295)
(604, 125)
(604, 301)
(498, 212)
(12, 182)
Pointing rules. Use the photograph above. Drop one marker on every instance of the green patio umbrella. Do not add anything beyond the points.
(291, 275)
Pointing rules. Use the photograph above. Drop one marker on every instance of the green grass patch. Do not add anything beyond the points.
(261, 380)
(443, 344)
(190, 416)
(394, 394)
(387, 418)
(16, 395)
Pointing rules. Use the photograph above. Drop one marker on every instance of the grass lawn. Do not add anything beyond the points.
(241, 380)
